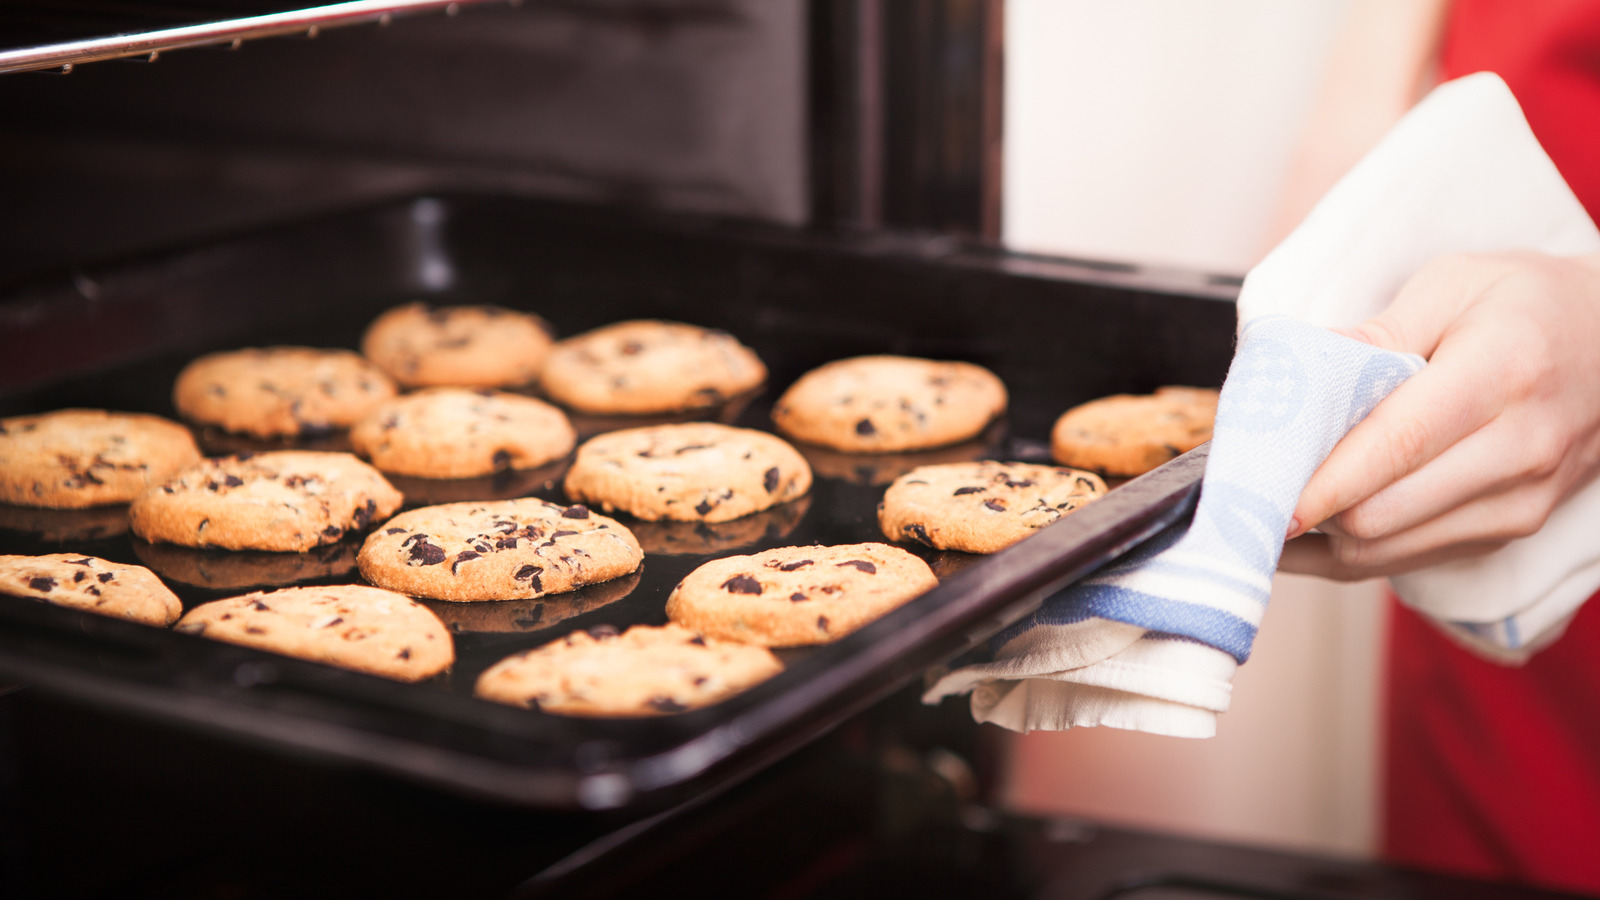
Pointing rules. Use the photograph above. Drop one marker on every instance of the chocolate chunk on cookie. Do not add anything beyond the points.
(981, 507)
(468, 346)
(650, 366)
(77, 458)
(792, 596)
(645, 671)
(882, 404)
(1130, 434)
(460, 433)
(90, 584)
(350, 626)
(287, 500)
(695, 471)
(280, 391)
(510, 549)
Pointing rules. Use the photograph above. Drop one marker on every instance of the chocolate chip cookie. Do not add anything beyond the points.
(460, 433)
(280, 391)
(1130, 434)
(881, 404)
(468, 346)
(90, 584)
(644, 671)
(351, 626)
(650, 366)
(77, 458)
(287, 500)
(792, 596)
(981, 507)
(502, 550)
(695, 471)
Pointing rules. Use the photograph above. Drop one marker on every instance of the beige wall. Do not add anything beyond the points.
(1157, 131)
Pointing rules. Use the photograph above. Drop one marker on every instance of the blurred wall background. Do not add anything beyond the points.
(1158, 131)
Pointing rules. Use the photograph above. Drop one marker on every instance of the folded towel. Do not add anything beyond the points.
(1151, 643)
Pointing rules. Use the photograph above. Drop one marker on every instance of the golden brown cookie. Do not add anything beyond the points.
(504, 550)
(792, 596)
(460, 433)
(76, 458)
(883, 404)
(696, 471)
(981, 507)
(645, 671)
(349, 625)
(1130, 434)
(90, 584)
(649, 366)
(467, 346)
(280, 391)
(288, 500)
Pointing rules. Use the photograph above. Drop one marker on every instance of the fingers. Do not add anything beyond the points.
(1436, 408)
(1475, 467)
(1476, 528)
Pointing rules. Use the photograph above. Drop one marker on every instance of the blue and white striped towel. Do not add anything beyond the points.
(1194, 597)
(1152, 643)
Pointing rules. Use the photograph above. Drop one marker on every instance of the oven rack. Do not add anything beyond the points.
(148, 45)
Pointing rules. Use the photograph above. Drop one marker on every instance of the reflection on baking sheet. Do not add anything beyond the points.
(702, 538)
(882, 468)
(59, 526)
(521, 616)
(948, 563)
(728, 413)
(216, 442)
(507, 484)
(227, 570)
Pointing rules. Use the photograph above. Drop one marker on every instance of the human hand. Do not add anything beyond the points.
(1477, 448)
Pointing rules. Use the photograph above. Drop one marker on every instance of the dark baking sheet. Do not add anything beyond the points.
(1057, 332)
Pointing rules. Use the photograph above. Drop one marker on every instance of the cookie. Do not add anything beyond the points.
(981, 507)
(90, 584)
(645, 671)
(465, 346)
(280, 391)
(241, 570)
(649, 366)
(505, 550)
(705, 538)
(792, 596)
(459, 433)
(1130, 434)
(523, 616)
(288, 500)
(76, 458)
(349, 625)
(696, 471)
(882, 404)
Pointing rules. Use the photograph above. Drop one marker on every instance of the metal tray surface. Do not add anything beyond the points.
(1058, 333)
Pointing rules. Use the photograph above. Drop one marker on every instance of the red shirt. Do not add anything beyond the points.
(1494, 771)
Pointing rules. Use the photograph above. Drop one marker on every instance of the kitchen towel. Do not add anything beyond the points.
(1151, 644)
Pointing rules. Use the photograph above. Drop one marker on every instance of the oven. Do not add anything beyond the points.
(819, 179)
